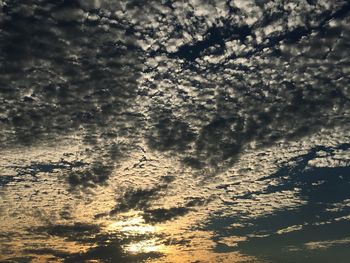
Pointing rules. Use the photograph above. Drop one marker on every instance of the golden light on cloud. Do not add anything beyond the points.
(146, 246)
(170, 240)
(165, 240)
(132, 225)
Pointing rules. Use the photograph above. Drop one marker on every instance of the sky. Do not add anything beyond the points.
(174, 131)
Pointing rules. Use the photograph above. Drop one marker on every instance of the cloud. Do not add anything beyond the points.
(137, 198)
(159, 215)
(102, 246)
(170, 134)
(163, 214)
(237, 81)
(321, 214)
(97, 173)
(73, 230)
(241, 84)
(208, 84)
(75, 74)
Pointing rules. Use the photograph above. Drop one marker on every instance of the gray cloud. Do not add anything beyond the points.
(228, 83)
(203, 82)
